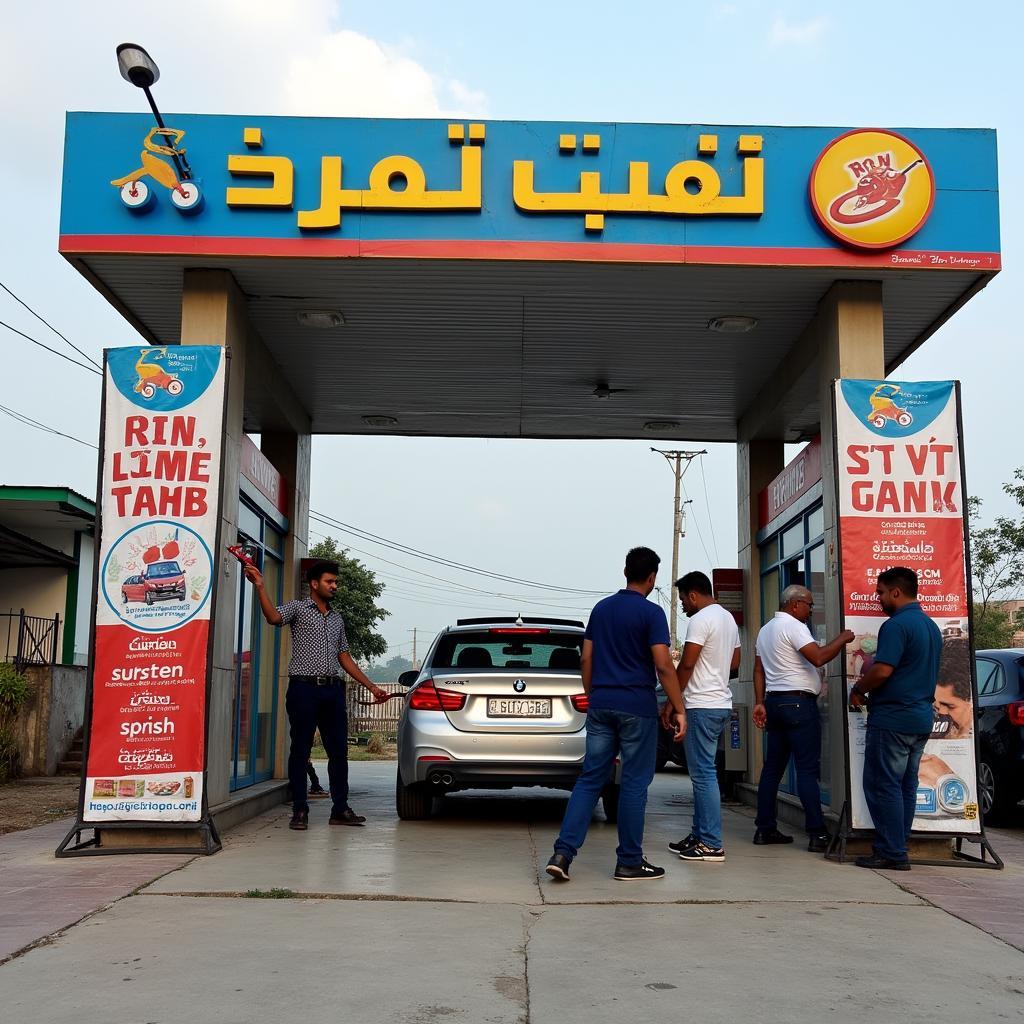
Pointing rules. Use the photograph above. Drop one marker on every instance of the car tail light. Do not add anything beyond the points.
(428, 697)
(518, 631)
(580, 701)
(1015, 711)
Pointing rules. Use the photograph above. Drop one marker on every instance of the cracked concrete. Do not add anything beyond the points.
(454, 921)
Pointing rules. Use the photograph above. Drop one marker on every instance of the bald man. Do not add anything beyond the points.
(787, 684)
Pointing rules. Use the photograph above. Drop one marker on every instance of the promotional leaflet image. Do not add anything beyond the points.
(901, 503)
(160, 482)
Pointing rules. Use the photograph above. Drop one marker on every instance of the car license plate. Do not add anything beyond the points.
(518, 707)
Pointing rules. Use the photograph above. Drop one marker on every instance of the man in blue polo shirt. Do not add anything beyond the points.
(900, 688)
(625, 653)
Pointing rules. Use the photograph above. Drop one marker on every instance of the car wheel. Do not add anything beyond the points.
(412, 803)
(996, 801)
(610, 803)
(149, 597)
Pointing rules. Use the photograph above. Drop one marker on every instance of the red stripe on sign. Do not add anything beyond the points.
(596, 252)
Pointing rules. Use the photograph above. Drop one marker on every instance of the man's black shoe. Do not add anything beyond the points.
(347, 817)
(637, 872)
(558, 867)
(818, 843)
(300, 821)
(771, 837)
(683, 844)
(882, 863)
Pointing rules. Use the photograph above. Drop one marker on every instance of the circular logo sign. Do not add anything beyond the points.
(519, 685)
(872, 189)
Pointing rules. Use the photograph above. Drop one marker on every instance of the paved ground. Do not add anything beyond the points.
(454, 921)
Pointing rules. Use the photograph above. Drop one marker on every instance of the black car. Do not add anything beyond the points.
(672, 751)
(1000, 721)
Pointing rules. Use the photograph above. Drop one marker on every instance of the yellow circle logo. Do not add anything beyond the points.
(872, 189)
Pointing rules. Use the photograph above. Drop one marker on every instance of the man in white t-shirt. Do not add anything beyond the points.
(786, 688)
(711, 655)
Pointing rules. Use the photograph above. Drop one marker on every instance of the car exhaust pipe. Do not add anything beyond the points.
(442, 778)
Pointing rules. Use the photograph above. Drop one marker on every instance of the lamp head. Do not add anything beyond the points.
(136, 66)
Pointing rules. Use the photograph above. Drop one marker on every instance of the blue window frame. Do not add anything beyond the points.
(257, 655)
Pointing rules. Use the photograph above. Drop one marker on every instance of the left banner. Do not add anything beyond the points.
(159, 491)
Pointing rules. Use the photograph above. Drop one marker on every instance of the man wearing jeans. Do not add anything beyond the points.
(625, 652)
(787, 685)
(899, 688)
(711, 654)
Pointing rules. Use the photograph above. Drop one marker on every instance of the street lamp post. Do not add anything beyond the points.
(138, 68)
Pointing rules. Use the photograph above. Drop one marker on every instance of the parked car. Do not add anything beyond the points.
(671, 750)
(498, 703)
(159, 581)
(1000, 722)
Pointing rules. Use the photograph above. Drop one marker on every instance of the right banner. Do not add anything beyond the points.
(901, 502)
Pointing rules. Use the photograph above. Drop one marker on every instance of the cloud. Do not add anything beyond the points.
(797, 33)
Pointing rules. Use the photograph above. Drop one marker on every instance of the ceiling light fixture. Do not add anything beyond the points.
(380, 421)
(732, 324)
(658, 425)
(323, 319)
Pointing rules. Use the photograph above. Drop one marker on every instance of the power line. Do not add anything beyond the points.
(373, 538)
(47, 323)
(29, 422)
(711, 518)
(28, 337)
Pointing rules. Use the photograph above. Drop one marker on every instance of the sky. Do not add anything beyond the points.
(916, 64)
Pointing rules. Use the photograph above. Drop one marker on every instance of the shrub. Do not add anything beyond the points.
(15, 690)
(375, 744)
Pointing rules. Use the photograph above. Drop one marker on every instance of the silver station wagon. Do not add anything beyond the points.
(498, 703)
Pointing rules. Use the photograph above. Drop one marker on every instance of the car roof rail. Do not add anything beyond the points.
(490, 619)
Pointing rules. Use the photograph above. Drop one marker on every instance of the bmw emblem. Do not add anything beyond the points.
(519, 685)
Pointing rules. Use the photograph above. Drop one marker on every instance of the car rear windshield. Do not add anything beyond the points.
(558, 651)
(159, 569)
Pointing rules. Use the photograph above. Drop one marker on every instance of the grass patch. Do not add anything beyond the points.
(271, 894)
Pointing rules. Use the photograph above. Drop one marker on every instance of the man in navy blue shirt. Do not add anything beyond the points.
(901, 685)
(625, 653)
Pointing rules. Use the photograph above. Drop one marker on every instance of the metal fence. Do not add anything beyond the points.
(382, 718)
(30, 639)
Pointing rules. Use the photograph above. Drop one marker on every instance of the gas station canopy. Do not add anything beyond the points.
(532, 279)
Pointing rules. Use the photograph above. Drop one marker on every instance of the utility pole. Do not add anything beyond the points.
(679, 462)
(415, 665)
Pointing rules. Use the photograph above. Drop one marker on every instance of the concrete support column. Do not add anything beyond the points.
(291, 455)
(850, 342)
(757, 464)
(213, 312)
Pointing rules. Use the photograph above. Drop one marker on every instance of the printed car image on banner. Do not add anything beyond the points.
(901, 502)
(160, 485)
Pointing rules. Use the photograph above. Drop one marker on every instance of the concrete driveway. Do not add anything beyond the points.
(454, 921)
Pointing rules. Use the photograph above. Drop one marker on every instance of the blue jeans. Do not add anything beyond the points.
(891, 763)
(793, 728)
(311, 707)
(611, 733)
(704, 726)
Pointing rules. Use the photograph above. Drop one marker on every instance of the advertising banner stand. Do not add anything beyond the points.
(901, 501)
(155, 582)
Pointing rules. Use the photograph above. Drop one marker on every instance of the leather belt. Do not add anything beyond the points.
(792, 693)
(318, 680)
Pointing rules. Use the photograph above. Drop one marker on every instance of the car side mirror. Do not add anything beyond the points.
(406, 679)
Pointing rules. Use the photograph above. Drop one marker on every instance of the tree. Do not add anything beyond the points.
(356, 600)
(997, 567)
(389, 671)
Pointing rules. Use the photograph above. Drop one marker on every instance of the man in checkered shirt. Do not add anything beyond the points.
(316, 687)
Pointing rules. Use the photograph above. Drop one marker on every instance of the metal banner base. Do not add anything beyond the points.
(988, 857)
(209, 838)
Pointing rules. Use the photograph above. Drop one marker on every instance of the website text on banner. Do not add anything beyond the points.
(160, 483)
(901, 502)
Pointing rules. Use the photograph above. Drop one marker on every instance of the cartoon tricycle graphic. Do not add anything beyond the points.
(884, 408)
(153, 376)
(137, 195)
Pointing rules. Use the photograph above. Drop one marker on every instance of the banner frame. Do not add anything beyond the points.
(73, 845)
(845, 830)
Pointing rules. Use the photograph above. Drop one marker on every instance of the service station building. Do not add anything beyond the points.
(421, 277)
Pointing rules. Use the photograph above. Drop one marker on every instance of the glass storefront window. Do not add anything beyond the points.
(816, 585)
(793, 539)
(266, 691)
(770, 552)
(249, 522)
(815, 524)
(273, 540)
